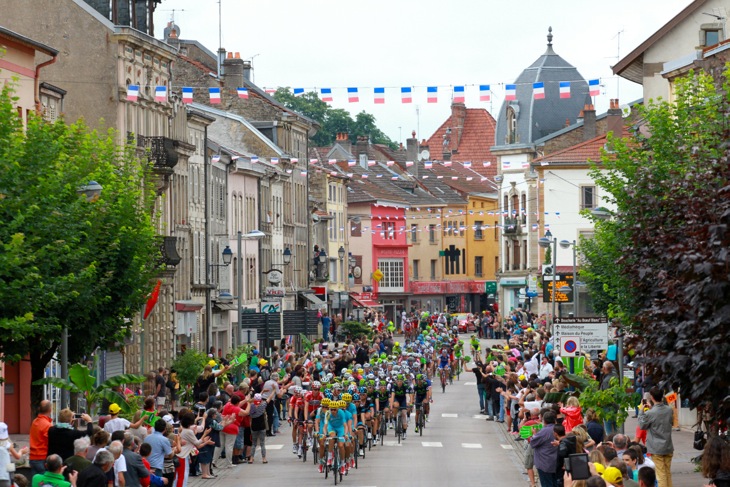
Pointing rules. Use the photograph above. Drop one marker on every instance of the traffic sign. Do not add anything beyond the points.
(593, 332)
(570, 346)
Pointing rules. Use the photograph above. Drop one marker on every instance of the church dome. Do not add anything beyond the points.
(525, 119)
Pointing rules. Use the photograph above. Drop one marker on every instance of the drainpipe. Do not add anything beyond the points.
(36, 88)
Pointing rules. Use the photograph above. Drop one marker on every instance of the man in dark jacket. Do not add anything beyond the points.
(95, 475)
(61, 436)
(135, 467)
(492, 388)
(546, 451)
(568, 446)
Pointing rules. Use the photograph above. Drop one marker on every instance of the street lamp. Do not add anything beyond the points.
(341, 252)
(286, 260)
(252, 235)
(322, 257)
(287, 256)
(545, 242)
(567, 244)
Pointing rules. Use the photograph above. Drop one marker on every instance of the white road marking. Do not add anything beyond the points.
(274, 447)
(432, 444)
(391, 443)
(480, 416)
(449, 415)
(470, 383)
(507, 447)
(471, 445)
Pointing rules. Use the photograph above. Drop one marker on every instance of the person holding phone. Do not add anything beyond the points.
(61, 436)
(657, 422)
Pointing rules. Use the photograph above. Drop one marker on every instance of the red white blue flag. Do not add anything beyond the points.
(467, 164)
(565, 89)
(326, 94)
(432, 94)
(161, 93)
(215, 95)
(298, 91)
(510, 92)
(379, 95)
(405, 94)
(538, 90)
(485, 93)
(594, 87)
(352, 95)
(351, 163)
(459, 94)
(242, 93)
(187, 95)
(132, 92)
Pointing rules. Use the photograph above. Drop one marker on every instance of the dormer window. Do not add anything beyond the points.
(511, 125)
(711, 34)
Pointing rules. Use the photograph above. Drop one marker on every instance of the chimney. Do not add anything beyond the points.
(589, 122)
(363, 144)
(233, 71)
(247, 69)
(448, 143)
(458, 119)
(614, 118)
(412, 154)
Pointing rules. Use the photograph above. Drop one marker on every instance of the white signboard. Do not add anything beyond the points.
(593, 332)
(275, 291)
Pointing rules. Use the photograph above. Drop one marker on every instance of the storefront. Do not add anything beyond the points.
(361, 302)
(450, 296)
(512, 292)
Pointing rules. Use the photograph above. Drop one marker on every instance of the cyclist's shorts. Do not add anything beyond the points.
(339, 432)
(401, 400)
(383, 405)
(420, 399)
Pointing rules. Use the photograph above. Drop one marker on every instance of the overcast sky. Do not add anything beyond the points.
(394, 43)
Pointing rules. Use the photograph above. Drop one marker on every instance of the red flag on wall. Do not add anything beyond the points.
(152, 300)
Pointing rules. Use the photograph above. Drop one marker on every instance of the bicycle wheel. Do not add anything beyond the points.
(336, 462)
(315, 449)
(327, 467)
(397, 427)
(420, 422)
(383, 429)
(304, 450)
(443, 384)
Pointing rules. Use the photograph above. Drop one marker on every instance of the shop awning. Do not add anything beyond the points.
(313, 299)
(221, 306)
(359, 302)
(188, 305)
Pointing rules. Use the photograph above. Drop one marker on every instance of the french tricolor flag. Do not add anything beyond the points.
(432, 94)
(594, 87)
(379, 95)
(565, 89)
(538, 90)
(161, 93)
(485, 93)
(447, 163)
(187, 95)
(332, 161)
(132, 92)
(270, 91)
(351, 163)
(390, 163)
(274, 160)
(313, 161)
(486, 164)
(506, 165)
(254, 159)
(371, 163)
(467, 164)
(215, 95)
(459, 94)
(510, 92)
(298, 91)
(242, 93)
(326, 94)
(405, 94)
(409, 163)
(428, 165)
(352, 95)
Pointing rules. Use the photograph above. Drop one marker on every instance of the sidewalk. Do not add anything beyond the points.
(683, 470)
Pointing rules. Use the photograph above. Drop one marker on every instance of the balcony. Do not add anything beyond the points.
(162, 152)
(512, 226)
(168, 251)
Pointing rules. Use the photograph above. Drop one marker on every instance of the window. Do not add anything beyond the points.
(478, 234)
(393, 276)
(478, 270)
(416, 265)
(523, 208)
(333, 270)
(711, 36)
(414, 232)
(587, 197)
(511, 125)
(389, 230)
(356, 228)
(433, 268)
(432, 234)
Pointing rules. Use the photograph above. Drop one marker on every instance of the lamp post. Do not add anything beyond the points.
(576, 300)
(341, 254)
(91, 191)
(286, 260)
(545, 242)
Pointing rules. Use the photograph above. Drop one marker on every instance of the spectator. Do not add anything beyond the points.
(189, 442)
(39, 438)
(53, 474)
(572, 413)
(716, 461)
(258, 425)
(647, 477)
(657, 422)
(230, 431)
(98, 441)
(160, 388)
(61, 436)
(205, 455)
(160, 447)
(545, 447)
(120, 464)
(172, 386)
(8, 455)
(613, 477)
(96, 474)
(144, 451)
(326, 323)
(78, 461)
(119, 424)
(608, 373)
(594, 428)
(545, 369)
(620, 443)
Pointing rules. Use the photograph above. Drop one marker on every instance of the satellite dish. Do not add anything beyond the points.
(424, 155)
(625, 111)
(315, 217)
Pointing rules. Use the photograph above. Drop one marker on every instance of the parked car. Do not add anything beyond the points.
(465, 322)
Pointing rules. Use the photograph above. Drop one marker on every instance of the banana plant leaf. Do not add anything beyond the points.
(306, 343)
(557, 397)
(58, 382)
(122, 379)
(80, 375)
(577, 381)
(114, 397)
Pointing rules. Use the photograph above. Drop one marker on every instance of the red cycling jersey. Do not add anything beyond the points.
(313, 398)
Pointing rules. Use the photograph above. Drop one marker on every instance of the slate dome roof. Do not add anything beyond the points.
(539, 118)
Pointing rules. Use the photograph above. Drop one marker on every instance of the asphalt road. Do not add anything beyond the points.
(458, 447)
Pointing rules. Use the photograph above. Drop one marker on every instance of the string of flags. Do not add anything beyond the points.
(457, 93)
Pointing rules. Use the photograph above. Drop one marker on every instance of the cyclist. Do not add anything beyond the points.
(475, 346)
(423, 396)
(399, 400)
(351, 411)
(312, 400)
(296, 414)
(319, 427)
(335, 420)
(382, 396)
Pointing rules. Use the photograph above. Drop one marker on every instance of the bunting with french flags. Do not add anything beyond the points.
(379, 96)
(326, 94)
(161, 93)
(215, 95)
(459, 94)
(405, 94)
(510, 92)
(132, 92)
(352, 95)
(242, 93)
(485, 93)
(594, 87)
(565, 89)
(187, 95)
(298, 91)
(432, 94)
(538, 90)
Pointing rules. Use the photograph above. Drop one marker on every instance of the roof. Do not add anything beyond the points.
(536, 119)
(631, 66)
(27, 41)
(589, 150)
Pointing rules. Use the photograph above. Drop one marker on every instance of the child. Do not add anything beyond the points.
(572, 413)
(144, 451)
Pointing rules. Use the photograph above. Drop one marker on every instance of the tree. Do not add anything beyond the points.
(333, 120)
(67, 262)
(665, 268)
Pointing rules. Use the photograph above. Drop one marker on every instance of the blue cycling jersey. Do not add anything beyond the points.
(443, 361)
(337, 419)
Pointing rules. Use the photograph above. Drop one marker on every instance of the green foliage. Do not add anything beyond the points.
(66, 262)
(660, 265)
(81, 381)
(306, 343)
(188, 367)
(548, 260)
(355, 329)
(333, 120)
(611, 404)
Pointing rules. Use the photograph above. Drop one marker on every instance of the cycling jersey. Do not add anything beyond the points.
(422, 389)
(336, 422)
(443, 361)
(400, 392)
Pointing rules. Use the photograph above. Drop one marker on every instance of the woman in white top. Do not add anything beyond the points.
(8, 455)
(189, 443)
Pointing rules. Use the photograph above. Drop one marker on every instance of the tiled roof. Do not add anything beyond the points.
(590, 150)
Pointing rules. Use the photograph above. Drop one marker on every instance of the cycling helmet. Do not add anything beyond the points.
(419, 377)
(316, 384)
(347, 397)
(356, 397)
(400, 377)
(325, 402)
